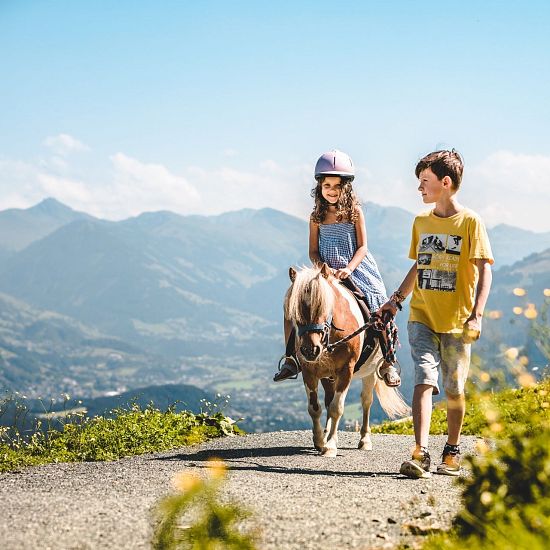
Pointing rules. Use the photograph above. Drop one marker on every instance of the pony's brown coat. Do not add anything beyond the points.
(313, 296)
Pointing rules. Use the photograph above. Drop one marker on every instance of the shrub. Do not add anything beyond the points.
(130, 432)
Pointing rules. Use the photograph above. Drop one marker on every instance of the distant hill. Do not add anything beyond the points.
(46, 353)
(511, 244)
(175, 284)
(506, 329)
(20, 227)
(163, 280)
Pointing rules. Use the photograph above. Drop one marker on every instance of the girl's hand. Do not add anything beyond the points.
(343, 273)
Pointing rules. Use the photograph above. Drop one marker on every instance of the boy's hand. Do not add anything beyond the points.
(390, 306)
(472, 329)
(343, 273)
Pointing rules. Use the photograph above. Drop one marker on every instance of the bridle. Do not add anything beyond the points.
(323, 328)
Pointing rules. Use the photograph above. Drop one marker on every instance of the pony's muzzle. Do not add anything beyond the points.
(310, 351)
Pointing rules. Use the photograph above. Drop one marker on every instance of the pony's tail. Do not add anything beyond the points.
(391, 400)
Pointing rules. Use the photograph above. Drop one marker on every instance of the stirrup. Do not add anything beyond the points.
(283, 360)
(381, 375)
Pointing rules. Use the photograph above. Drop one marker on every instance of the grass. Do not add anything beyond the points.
(130, 432)
(493, 414)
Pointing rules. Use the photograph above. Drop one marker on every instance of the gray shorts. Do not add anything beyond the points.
(431, 350)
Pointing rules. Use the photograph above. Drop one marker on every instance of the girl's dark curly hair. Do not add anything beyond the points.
(346, 207)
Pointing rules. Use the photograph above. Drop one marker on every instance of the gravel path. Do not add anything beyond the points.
(300, 499)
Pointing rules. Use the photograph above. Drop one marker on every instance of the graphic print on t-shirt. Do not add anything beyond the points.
(424, 259)
(441, 253)
(454, 244)
(432, 243)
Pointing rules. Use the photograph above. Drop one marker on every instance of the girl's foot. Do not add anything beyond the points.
(289, 369)
(389, 374)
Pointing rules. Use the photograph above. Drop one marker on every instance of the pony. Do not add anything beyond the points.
(322, 310)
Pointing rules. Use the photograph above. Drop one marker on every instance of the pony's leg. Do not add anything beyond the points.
(367, 398)
(314, 409)
(328, 386)
(334, 413)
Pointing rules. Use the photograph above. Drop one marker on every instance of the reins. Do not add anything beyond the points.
(387, 334)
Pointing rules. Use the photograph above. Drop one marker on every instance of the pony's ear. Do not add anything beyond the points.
(292, 273)
(325, 271)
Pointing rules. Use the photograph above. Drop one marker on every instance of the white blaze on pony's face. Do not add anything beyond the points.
(309, 302)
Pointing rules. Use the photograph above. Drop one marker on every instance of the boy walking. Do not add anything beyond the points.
(450, 282)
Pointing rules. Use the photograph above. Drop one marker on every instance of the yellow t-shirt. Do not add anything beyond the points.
(445, 250)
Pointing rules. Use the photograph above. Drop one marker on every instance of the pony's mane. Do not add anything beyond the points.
(309, 298)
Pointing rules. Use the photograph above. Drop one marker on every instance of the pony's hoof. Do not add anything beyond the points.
(330, 453)
(365, 445)
(317, 448)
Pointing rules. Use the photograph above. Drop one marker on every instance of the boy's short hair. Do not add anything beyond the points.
(443, 163)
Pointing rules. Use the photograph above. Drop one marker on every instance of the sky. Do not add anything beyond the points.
(119, 107)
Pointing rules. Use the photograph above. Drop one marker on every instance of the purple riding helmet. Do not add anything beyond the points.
(335, 163)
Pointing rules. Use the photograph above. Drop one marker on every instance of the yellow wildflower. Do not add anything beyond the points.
(217, 468)
(185, 481)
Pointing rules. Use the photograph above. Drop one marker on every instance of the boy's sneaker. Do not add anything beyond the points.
(450, 461)
(419, 465)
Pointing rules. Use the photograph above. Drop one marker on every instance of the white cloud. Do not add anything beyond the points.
(131, 187)
(138, 186)
(64, 144)
(266, 185)
(504, 188)
(19, 187)
(271, 166)
(394, 191)
(510, 188)
(65, 190)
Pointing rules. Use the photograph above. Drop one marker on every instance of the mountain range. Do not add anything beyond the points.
(105, 306)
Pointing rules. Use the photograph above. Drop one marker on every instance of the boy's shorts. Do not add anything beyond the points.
(431, 350)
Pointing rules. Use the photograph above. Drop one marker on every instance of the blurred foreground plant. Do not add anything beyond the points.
(194, 518)
(507, 496)
(540, 328)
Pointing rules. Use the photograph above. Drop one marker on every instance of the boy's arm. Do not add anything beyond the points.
(472, 326)
(405, 288)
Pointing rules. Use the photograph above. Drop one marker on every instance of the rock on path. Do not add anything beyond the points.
(300, 500)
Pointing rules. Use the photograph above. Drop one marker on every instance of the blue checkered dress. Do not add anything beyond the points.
(337, 245)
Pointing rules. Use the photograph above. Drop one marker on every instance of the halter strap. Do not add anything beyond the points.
(316, 327)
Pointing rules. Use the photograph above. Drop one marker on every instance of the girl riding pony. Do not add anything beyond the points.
(338, 237)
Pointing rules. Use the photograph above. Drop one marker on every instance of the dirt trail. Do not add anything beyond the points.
(300, 500)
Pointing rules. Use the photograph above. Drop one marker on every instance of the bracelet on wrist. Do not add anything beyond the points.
(396, 298)
(399, 296)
